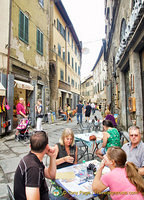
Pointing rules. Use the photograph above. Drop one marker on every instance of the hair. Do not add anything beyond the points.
(119, 156)
(38, 141)
(107, 112)
(80, 101)
(107, 123)
(40, 100)
(68, 104)
(66, 133)
(133, 128)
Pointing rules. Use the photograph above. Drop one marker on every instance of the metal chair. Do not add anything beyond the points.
(85, 127)
(10, 194)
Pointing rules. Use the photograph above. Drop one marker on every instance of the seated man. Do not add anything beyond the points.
(135, 149)
(29, 180)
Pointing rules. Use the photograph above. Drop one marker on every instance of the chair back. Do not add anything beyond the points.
(10, 194)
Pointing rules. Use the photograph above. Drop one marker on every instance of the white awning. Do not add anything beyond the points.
(65, 91)
(2, 90)
(23, 85)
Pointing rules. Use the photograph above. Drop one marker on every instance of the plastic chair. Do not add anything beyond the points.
(10, 194)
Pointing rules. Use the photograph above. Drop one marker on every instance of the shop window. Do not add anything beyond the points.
(39, 42)
(23, 27)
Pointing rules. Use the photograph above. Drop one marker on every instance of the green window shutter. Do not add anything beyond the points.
(26, 29)
(41, 43)
(38, 40)
(21, 25)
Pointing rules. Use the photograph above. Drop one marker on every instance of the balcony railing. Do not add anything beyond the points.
(64, 86)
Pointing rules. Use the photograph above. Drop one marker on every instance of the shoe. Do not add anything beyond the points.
(17, 138)
(77, 122)
(85, 120)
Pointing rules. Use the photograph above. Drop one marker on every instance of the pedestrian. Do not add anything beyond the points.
(68, 113)
(39, 115)
(79, 109)
(93, 108)
(29, 179)
(87, 112)
(21, 113)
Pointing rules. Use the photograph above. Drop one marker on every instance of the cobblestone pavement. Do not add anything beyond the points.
(11, 151)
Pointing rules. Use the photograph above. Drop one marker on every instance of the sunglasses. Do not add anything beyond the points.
(133, 135)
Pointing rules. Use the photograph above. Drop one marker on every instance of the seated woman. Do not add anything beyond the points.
(66, 150)
(111, 137)
(123, 180)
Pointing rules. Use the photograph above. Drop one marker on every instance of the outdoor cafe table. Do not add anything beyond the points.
(84, 137)
(69, 179)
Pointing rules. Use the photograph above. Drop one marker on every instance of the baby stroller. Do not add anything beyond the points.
(23, 128)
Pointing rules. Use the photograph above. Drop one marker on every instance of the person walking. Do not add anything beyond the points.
(87, 112)
(79, 109)
(29, 179)
(39, 115)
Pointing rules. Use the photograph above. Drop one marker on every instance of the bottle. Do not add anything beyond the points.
(83, 171)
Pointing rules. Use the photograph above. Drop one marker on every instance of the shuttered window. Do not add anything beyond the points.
(23, 27)
(39, 42)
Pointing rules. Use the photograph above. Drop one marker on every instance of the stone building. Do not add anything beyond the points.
(24, 53)
(99, 80)
(124, 54)
(65, 59)
(87, 88)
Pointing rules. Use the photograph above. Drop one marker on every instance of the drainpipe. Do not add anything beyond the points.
(9, 45)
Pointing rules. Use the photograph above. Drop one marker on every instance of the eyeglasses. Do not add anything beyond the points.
(133, 135)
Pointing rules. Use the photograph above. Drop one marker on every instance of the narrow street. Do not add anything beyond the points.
(11, 151)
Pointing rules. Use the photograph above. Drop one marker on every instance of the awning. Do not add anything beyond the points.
(65, 91)
(23, 85)
(2, 90)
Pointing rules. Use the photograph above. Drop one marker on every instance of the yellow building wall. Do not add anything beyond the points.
(58, 39)
(27, 53)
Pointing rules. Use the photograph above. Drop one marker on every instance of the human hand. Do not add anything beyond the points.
(69, 159)
(51, 151)
(102, 164)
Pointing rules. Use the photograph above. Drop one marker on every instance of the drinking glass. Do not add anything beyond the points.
(72, 153)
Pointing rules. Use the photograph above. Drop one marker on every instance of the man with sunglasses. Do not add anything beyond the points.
(29, 180)
(135, 148)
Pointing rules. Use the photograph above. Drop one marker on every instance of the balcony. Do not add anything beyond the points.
(64, 86)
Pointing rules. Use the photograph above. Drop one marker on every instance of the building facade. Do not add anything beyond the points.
(124, 54)
(99, 81)
(24, 53)
(87, 89)
(65, 59)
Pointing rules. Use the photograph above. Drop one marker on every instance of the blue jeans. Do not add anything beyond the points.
(79, 115)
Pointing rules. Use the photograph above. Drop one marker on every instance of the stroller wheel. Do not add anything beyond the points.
(26, 139)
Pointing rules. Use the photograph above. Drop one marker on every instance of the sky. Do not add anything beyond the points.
(87, 17)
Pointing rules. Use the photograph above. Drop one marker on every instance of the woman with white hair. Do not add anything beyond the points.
(66, 150)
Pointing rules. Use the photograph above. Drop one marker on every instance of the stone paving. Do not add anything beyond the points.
(11, 151)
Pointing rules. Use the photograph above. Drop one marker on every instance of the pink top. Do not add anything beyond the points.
(117, 181)
(21, 108)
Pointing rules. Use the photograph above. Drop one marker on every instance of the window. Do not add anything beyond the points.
(63, 56)
(23, 27)
(41, 2)
(59, 50)
(75, 67)
(69, 58)
(72, 43)
(39, 42)
(78, 70)
(69, 79)
(72, 82)
(61, 75)
(60, 28)
(123, 27)
(76, 85)
(75, 50)
(68, 37)
(72, 63)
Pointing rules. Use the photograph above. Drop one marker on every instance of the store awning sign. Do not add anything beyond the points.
(2, 90)
(23, 85)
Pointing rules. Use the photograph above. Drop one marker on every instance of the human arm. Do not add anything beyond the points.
(59, 161)
(141, 171)
(32, 193)
(105, 138)
(21, 113)
(97, 185)
(50, 172)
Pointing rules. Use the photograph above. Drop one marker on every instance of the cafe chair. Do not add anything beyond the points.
(82, 150)
(10, 194)
(85, 127)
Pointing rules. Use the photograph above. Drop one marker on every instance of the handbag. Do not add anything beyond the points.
(3, 105)
(6, 104)
(5, 124)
